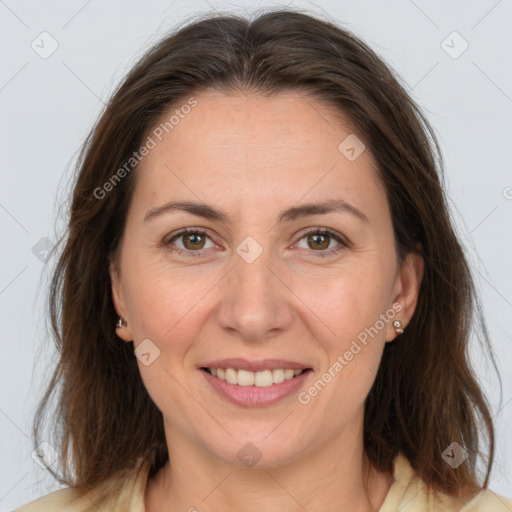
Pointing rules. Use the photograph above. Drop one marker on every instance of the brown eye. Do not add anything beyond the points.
(193, 241)
(318, 241)
(188, 242)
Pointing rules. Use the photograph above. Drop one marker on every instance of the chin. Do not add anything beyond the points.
(258, 452)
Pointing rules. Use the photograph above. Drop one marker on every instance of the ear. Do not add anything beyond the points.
(118, 300)
(406, 291)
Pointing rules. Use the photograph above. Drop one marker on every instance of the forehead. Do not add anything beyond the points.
(257, 151)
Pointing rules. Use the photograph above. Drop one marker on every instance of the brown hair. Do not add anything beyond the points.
(425, 394)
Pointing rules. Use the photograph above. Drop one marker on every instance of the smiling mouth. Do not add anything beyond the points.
(262, 379)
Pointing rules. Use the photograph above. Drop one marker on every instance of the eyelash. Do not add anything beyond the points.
(342, 243)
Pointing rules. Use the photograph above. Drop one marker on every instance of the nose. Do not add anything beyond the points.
(255, 302)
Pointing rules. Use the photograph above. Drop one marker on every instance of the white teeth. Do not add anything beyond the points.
(245, 378)
(277, 376)
(288, 374)
(260, 379)
(263, 379)
(231, 376)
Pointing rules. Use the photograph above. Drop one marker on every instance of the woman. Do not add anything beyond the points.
(261, 301)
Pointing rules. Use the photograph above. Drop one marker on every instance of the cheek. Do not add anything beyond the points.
(346, 301)
(161, 297)
(350, 323)
(351, 335)
(165, 308)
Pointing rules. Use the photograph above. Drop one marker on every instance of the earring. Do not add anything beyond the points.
(121, 322)
(398, 326)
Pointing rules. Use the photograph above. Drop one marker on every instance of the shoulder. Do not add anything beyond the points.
(409, 492)
(488, 501)
(61, 500)
(123, 492)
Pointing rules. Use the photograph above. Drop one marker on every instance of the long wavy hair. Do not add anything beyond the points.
(425, 395)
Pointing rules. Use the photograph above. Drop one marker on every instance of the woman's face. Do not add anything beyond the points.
(249, 284)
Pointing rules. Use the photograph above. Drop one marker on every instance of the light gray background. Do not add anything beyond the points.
(49, 105)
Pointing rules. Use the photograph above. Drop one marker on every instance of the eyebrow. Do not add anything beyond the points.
(295, 212)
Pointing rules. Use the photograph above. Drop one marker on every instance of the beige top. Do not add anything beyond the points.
(406, 494)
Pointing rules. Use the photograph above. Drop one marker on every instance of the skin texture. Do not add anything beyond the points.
(253, 157)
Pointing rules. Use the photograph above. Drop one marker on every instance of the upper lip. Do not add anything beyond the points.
(254, 366)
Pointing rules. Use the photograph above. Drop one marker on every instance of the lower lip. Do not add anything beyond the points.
(254, 396)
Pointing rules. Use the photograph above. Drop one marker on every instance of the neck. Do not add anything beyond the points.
(335, 477)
